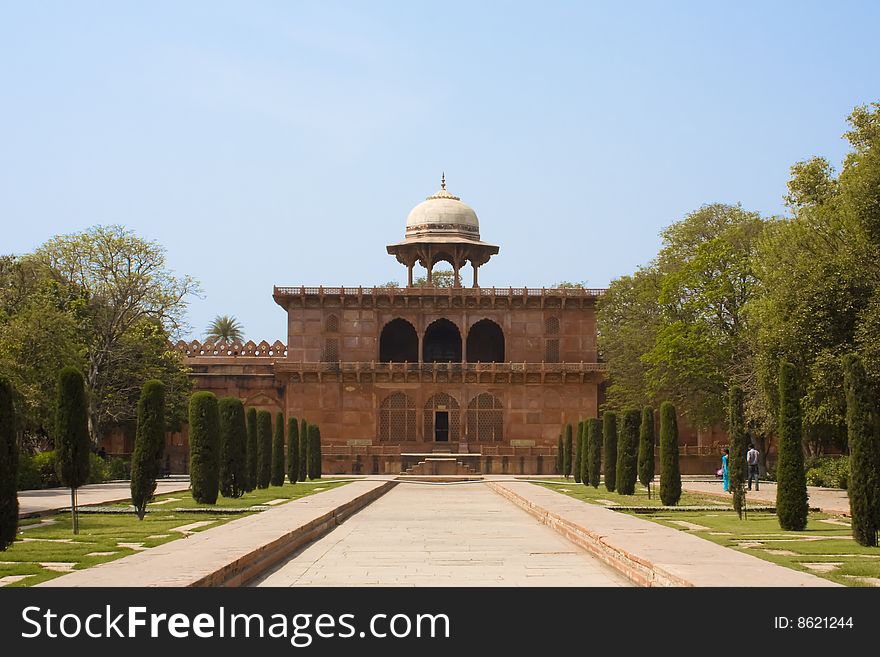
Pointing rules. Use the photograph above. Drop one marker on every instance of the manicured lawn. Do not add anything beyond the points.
(827, 540)
(46, 547)
(593, 495)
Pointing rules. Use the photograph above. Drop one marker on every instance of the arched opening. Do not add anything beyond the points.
(442, 418)
(399, 342)
(442, 343)
(485, 343)
(485, 419)
(397, 418)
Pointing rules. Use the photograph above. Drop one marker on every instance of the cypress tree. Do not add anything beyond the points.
(609, 466)
(72, 444)
(8, 467)
(293, 450)
(314, 452)
(670, 470)
(791, 480)
(628, 452)
(579, 452)
(264, 448)
(559, 454)
(233, 447)
(303, 450)
(567, 454)
(739, 448)
(204, 447)
(863, 434)
(251, 451)
(646, 449)
(277, 478)
(594, 450)
(149, 444)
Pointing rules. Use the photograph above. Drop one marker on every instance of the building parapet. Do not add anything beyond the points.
(420, 291)
(196, 349)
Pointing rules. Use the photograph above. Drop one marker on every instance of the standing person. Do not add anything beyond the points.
(752, 461)
(724, 472)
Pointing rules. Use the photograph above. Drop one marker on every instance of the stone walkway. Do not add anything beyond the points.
(829, 500)
(442, 535)
(40, 502)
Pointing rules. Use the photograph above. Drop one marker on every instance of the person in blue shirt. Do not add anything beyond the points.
(724, 475)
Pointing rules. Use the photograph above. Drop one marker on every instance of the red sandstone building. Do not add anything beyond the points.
(394, 375)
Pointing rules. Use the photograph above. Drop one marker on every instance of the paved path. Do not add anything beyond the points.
(829, 500)
(653, 554)
(442, 535)
(36, 502)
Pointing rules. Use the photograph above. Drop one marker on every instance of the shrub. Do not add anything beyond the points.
(149, 443)
(791, 486)
(293, 450)
(99, 470)
(303, 450)
(670, 470)
(567, 453)
(628, 452)
(251, 450)
(46, 464)
(119, 468)
(594, 450)
(8, 467)
(863, 435)
(72, 443)
(233, 447)
(829, 471)
(559, 454)
(609, 465)
(204, 447)
(736, 465)
(578, 452)
(646, 449)
(28, 474)
(277, 476)
(264, 448)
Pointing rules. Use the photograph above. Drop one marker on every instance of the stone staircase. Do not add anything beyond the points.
(440, 465)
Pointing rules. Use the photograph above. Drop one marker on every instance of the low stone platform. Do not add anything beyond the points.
(234, 553)
(648, 553)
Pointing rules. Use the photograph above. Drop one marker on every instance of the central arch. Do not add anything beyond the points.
(442, 343)
(399, 342)
(442, 418)
(485, 343)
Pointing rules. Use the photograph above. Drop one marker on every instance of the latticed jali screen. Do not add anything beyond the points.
(397, 418)
(331, 350)
(485, 418)
(442, 402)
(551, 344)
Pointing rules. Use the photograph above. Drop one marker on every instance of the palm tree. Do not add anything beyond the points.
(225, 329)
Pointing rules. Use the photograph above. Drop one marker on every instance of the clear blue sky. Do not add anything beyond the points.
(284, 143)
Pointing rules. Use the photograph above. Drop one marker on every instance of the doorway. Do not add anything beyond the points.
(441, 426)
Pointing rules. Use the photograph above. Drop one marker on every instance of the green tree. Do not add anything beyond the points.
(594, 450)
(628, 452)
(303, 450)
(293, 450)
(578, 451)
(863, 428)
(314, 452)
(233, 447)
(264, 448)
(567, 451)
(8, 467)
(204, 447)
(149, 445)
(670, 469)
(439, 278)
(646, 449)
(560, 454)
(739, 447)
(609, 450)
(225, 329)
(277, 477)
(791, 481)
(251, 451)
(121, 281)
(72, 446)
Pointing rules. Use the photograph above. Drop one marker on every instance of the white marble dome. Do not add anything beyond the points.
(443, 213)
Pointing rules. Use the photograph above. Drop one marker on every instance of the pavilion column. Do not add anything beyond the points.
(409, 280)
(476, 268)
(456, 267)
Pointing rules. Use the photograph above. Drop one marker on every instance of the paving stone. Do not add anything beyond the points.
(188, 529)
(58, 566)
(100, 554)
(781, 553)
(689, 525)
(871, 581)
(822, 566)
(12, 579)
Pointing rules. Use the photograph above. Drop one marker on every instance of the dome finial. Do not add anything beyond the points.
(443, 180)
